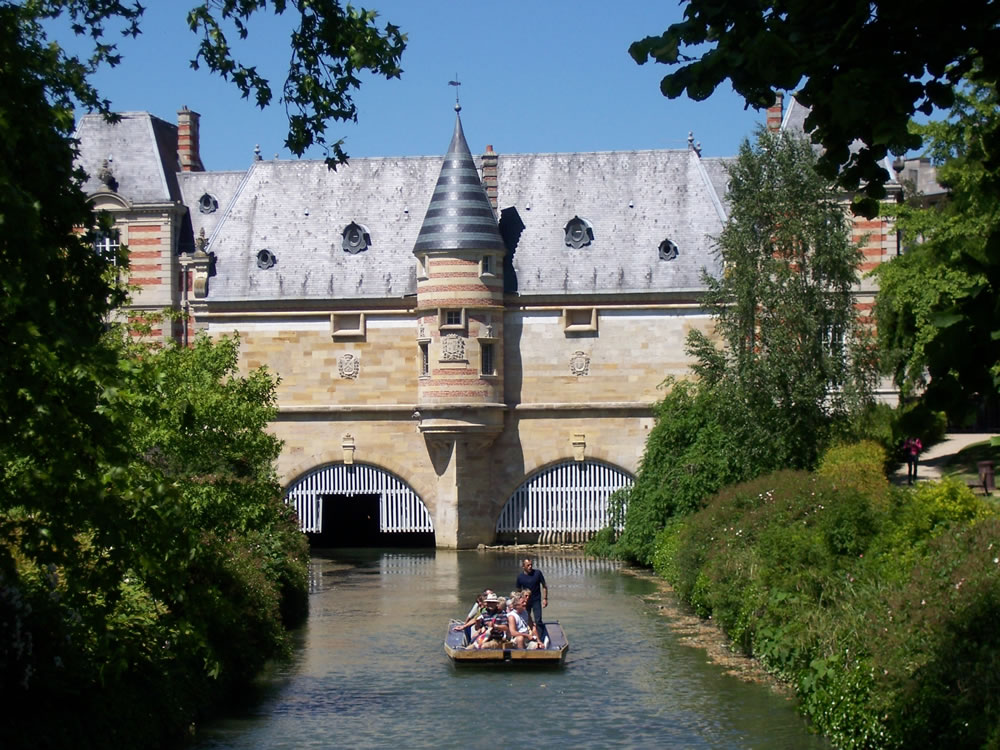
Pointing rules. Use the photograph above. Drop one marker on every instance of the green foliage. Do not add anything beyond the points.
(938, 304)
(794, 352)
(148, 566)
(859, 465)
(794, 365)
(690, 453)
(879, 609)
(865, 69)
(331, 46)
(210, 566)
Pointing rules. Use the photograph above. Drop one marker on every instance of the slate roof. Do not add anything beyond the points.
(142, 150)
(220, 186)
(298, 210)
(634, 200)
(460, 216)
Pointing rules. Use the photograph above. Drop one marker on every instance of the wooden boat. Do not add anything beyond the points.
(456, 641)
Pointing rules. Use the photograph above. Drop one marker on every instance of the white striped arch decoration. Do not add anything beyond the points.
(569, 497)
(400, 508)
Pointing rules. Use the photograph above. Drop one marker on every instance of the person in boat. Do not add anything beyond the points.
(495, 628)
(479, 606)
(473, 622)
(531, 578)
(523, 633)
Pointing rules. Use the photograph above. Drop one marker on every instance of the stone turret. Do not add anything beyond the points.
(459, 254)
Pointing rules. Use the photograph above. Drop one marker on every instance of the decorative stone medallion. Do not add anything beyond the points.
(579, 364)
(452, 347)
(349, 366)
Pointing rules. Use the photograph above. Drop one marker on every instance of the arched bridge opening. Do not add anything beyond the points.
(358, 505)
(566, 502)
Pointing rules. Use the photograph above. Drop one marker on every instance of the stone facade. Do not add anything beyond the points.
(461, 323)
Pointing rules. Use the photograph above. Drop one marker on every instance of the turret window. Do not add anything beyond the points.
(453, 318)
(487, 365)
(425, 359)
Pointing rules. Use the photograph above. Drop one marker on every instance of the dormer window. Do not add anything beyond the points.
(356, 238)
(668, 250)
(266, 259)
(579, 233)
(208, 204)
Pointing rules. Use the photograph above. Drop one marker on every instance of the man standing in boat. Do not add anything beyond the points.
(532, 580)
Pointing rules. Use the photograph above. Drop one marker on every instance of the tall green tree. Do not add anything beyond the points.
(938, 308)
(788, 361)
(865, 68)
(784, 305)
(93, 522)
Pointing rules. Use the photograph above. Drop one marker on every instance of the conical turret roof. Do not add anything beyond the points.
(460, 216)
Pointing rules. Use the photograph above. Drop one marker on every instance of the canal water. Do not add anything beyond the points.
(370, 669)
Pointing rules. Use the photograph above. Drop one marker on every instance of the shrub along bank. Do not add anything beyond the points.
(878, 604)
(179, 582)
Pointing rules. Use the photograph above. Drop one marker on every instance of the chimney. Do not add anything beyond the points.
(490, 175)
(187, 141)
(774, 113)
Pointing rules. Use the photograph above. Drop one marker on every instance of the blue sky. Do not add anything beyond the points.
(541, 76)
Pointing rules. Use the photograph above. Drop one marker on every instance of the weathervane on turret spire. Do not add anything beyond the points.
(456, 83)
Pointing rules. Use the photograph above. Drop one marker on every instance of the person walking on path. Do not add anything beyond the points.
(912, 447)
(533, 581)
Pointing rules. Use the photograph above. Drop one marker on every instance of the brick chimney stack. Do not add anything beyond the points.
(490, 175)
(775, 113)
(187, 141)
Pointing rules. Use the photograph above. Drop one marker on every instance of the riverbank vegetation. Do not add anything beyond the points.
(148, 567)
(877, 603)
(762, 494)
(172, 586)
(794, 367)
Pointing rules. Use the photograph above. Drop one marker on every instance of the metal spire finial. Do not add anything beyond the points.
(456, 83)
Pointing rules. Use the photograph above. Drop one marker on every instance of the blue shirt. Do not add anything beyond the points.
(532, 581)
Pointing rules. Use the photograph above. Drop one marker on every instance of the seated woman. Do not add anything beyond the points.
(524, 633)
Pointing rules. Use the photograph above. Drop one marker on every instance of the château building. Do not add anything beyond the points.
(470, 347)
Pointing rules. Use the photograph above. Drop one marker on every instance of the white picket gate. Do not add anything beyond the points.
(400, 508)
(568, 501)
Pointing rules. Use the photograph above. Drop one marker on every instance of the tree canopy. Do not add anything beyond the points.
(148, 564)
(793, 365)
(939, 303)
(864, 68)
(331, 46)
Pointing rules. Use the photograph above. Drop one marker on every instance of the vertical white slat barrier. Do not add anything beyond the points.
(568, 500)
(400, 508)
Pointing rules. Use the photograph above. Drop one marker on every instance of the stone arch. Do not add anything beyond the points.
(400, 508)
(566, 501)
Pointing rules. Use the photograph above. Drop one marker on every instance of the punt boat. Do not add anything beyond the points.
(456, 641)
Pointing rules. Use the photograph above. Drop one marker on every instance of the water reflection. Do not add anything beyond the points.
(371, 671)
